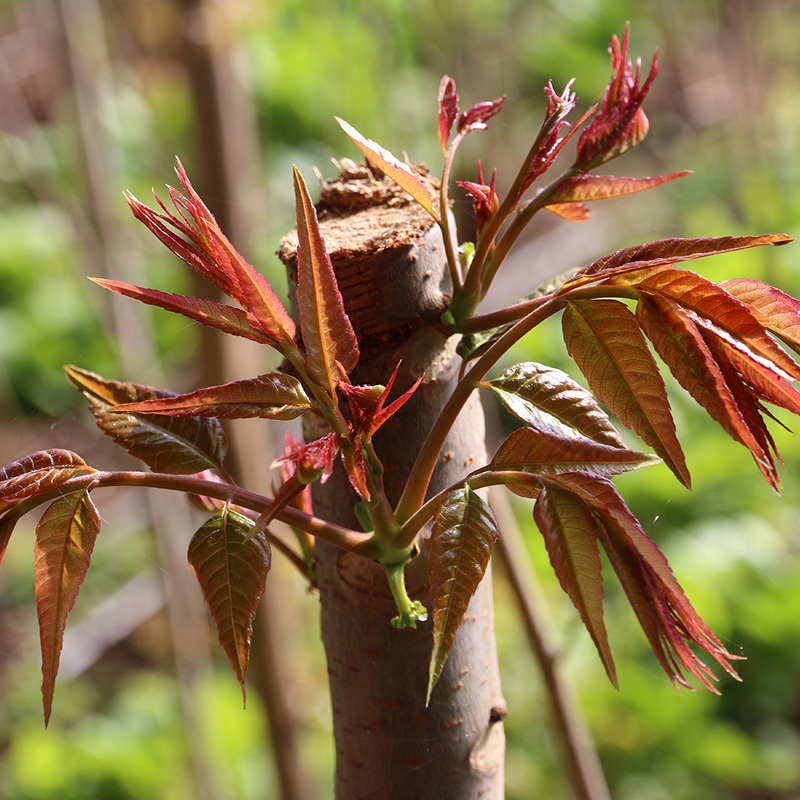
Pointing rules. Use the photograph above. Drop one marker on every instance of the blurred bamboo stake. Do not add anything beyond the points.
(228, 154)
(582, 765)
(82, 25)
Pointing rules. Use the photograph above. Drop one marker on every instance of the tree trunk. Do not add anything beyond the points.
(391, 269)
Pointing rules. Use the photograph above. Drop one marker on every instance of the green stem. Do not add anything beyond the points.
(410, 611)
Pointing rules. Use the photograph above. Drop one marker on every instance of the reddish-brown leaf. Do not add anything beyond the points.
(355, 467)
(328, 335)
(774, 309)
(586, 188)
(531, 450)
(390, 166)
(7, 523)
(448, 109)
(681, 346)
(572, 212)
(665, 613)
(227, 319)
(671, 251)
(548, 399)
(39, 473)
(604, 339)
(65, 538)
(275, 395)
(181, 446)
(464, 533)
(708, 301)
(232, 572)
(570, 535)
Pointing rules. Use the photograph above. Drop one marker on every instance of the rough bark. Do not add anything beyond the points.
(390, 264)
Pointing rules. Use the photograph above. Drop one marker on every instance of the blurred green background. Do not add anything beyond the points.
(98, 96)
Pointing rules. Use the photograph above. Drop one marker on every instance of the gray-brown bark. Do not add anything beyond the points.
(391, 269)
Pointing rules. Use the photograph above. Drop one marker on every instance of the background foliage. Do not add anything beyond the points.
(97, 97)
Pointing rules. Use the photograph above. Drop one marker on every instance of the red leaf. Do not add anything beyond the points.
(448, 109)
(666, 615)
(65, 539)
(355, 467)
(232, 572)
(621, 123)
(670, 251)
(313, 461)
(587, 188)
(570, 535)
(604, 339)
(227, 319)
(328, 335)
(39, 473)
(464, 533)
(475, 118)
(549, 400)
(165, 444)
(682, 347)
(774, 309)
(272, 396)
(366, 403)
(390, 166)
(484, 198)
(203, 246)
(530, 450)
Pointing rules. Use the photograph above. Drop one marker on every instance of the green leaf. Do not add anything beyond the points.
(570, 535)
(531, 450)
(39, 473)
(464, 533)
(165, 444)
(65, 538)
(604, 339)
(271, 396)
(232, 572)
(548, 399)
(390, 166)
(328, 335)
